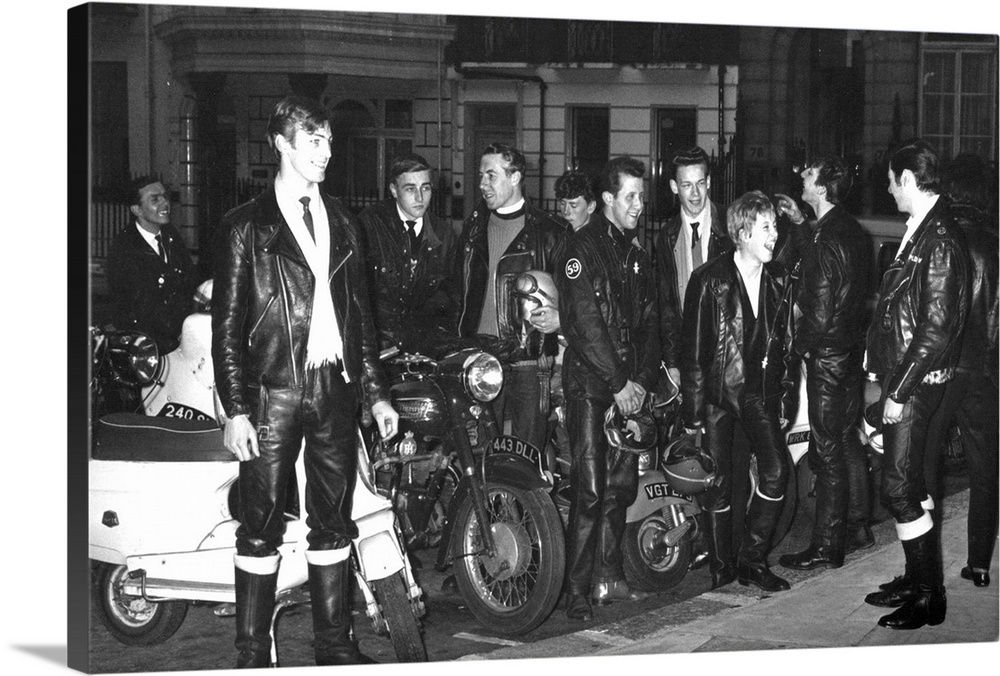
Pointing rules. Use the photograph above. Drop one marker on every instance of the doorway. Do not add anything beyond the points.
(486, 123)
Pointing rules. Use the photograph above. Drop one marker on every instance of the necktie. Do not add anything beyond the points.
(696, 259)
(411, 230)
(159, 247)
(307, 216)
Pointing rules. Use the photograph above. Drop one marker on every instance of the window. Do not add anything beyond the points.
(590, 138)
(959, 93)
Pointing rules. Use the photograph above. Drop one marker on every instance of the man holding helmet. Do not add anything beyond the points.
(608, 312)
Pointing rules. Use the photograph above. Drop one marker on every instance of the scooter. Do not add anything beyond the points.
(163, 516)
(480, 498)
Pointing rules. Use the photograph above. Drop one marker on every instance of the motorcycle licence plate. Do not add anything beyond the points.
(172, 410)
(514, 446)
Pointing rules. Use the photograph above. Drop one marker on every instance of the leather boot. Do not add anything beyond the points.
(751, 567)
(254, 611)
(900, 583)
(927, 603)
(330, 594)
(578, 607)
(699, 545)
(604, 593)
(719, 537)
(811, 557)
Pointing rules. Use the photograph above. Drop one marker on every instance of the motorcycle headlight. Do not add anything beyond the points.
(483, 376)
(144, 359)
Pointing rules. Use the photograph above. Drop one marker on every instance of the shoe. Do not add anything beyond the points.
(811, 557)
(979, 578)
(698, 560)
(760, 575)
(723, 576)
(859, 538)
(927, 606)
(330, 592)
(224, 610)
(895, 583)
(619, 590)
(578, 607)
(894, 597)
(449, 585)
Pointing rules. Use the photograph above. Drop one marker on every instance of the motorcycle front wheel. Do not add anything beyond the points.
(514, 591)
(404, 627)
(133, 620)
(651, 566)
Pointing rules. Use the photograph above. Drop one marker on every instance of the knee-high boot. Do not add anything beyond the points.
(898, 586)
(719, 537)
(256, 583)
(926, 602)
(330, 592)
(751, 566)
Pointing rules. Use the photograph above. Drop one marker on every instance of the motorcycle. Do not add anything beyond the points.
(163, 513)
(479, 497)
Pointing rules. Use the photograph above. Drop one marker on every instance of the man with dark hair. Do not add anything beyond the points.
(577, 197)
(408, 252)
(914, 343)
(502, 238)
(970, 399)
(736, 369)
(295, 354)
(151, 277)
(832, 299)
(607, 301)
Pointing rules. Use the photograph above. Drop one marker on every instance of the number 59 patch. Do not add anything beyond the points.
(573, 268)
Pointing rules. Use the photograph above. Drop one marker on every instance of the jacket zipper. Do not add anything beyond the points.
(260, 318)
(288, 321)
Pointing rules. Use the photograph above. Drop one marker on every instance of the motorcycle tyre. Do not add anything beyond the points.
(638, 571)
(165, 619)
(790, 504)
(548, 584)
(404, 627)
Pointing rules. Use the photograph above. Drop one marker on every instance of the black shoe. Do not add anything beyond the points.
(859, 538)
(578, 607)
(811, 557)
(698, 560)
(619, 590)
(979, 578)
(760, 575)
(926, 606)
(895, 596)
(895, 583)
(723, 576)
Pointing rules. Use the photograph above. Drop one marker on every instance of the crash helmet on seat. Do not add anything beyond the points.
(688, 469)
(533, 290)
(634, 433)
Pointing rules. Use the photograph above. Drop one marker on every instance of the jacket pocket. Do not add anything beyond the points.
(260, 318)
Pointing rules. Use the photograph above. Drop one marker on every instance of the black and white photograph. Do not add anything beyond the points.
(661, 336)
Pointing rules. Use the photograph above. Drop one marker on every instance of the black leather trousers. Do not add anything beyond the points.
(970, 400)
(903, 485)
(603, 484)
(836, 456)
(323, 412)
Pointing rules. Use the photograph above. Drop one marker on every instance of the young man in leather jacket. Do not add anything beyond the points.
(914, 343)
(408, 252)
(970, 398)
(737, 369)
(833, 301)
(607, 304)
(295, 353)
(503, 237)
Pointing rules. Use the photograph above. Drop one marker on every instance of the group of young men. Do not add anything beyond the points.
(306, 294)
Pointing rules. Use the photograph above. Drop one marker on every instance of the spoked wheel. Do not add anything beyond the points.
(649, 564)
(132, 619)
(514, 591)
(404, 627)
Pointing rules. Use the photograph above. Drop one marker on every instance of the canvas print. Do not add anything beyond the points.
(421, 337)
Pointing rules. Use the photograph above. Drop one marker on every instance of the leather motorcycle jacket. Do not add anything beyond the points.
(608, 312)
(923, 301)
(409, 302)
(262, 300)
(834, 285)
(712, 360)
(536, 247)
(671, 305)
(979, 341)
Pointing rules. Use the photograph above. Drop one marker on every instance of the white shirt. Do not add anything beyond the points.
(150, 239)
(403, 217)
(704, 221)
(921, 207)
(511, 209)
(288, 203)
(751, 280)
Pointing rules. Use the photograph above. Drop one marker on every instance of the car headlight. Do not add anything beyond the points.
(483, 376)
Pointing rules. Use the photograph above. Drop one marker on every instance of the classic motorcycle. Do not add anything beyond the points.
(479, 497)
(163, 516)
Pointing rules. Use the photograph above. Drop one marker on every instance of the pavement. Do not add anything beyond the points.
(822, 610)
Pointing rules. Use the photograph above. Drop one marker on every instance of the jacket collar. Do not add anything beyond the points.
(282, 241)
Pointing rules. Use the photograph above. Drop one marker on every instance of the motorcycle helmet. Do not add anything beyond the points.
(635, 433)
(689, 470)
(534, 289)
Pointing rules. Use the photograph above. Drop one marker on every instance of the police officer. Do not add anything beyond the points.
(608, 310)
